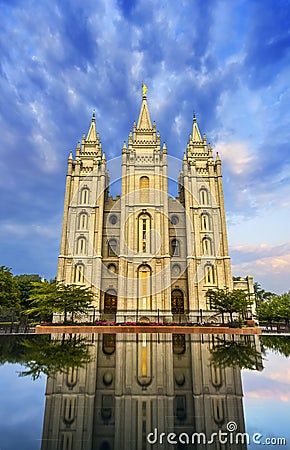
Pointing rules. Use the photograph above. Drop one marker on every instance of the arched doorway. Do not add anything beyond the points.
(177, 302)
(110, 304)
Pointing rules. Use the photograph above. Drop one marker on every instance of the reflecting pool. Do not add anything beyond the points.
(143, 391)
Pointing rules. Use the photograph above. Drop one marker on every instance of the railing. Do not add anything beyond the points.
(13, 320)
(150, 315)
(275, 327)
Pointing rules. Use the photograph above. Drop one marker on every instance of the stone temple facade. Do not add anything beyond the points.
(145, 254)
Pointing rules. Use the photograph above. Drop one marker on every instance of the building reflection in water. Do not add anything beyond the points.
(141, 383)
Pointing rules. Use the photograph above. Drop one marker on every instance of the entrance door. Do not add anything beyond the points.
(110, 305)
(177, 302)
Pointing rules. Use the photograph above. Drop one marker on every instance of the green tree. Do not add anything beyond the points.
(53, 297)
(235, 353)
(278, 344)
(261, 294)
(54, 356)
(9, 293)
(264, 311)
(41, 354)
(225, 301)
(25, 285)
(275, 308)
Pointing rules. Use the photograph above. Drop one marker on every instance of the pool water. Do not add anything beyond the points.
(143, 391)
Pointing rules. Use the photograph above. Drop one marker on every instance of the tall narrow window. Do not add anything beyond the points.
(207, 246)
(209, 274)
(79, 273)
(203, 196)
(83, 221)
(144, 189)
(144, 227)
(144, 287)
(85, 196)
(205, 222)
(81, 246)
(112, 247)
(175, 247)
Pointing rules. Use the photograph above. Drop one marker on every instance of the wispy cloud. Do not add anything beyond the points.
(226, 61)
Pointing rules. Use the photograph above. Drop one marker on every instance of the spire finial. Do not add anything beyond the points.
(144, 90)
(94, 115)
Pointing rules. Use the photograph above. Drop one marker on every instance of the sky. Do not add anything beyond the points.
(225, 61)
(21, 409)
(266, 397)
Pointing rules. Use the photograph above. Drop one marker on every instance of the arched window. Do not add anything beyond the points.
(112, 247)
(144, 189)
(69, 409)
(144, 227)
(205, 222)
(83, 221)
(207, 246)
(79, 273)
(218, 410)
(177, 302)
(109, 344)
(85, 194)
(144, 287)
(81, 246)
(71, 377)
(178, 343)
(203, 196)
(209, 274)
(216, 377)
(175, 247)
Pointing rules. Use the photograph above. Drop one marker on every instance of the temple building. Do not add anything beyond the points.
(145, 254)
(138, 384)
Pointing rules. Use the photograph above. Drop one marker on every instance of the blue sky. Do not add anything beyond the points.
(226, 61)
(267, 399)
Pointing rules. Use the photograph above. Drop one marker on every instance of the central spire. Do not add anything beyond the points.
(144, 122)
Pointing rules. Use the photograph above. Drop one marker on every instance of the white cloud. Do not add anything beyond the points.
(238, 157)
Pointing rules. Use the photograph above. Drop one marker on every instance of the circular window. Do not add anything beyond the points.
(174, 220)
(179, 378)
(112, 268)
(176, 269)
(108, 378)
(113, 219)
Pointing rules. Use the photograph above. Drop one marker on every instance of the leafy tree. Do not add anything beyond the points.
(235, 353)
(9, 293)
(25, 285)
(279, 344)
(275, 308)
(225, 301)
(50, 297)
(261, 294)
(281, 306)
(41, 354)
(54, 356)
(265, 312)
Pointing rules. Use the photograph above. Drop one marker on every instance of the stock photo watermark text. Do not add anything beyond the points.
(228, 436)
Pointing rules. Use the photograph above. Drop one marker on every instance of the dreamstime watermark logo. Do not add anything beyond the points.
(229, 436)
(125, 221)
